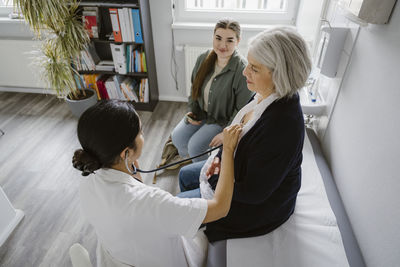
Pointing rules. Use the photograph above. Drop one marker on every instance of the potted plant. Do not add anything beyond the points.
(59, 26)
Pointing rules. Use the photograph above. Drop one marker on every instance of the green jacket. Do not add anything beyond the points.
(228, 92)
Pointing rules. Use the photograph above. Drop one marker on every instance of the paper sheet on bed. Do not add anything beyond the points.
(310, 238)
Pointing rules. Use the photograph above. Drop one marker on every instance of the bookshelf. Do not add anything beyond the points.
(104, 41)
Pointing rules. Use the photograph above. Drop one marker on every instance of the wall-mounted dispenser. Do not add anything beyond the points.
(330, 49)
(370, 11)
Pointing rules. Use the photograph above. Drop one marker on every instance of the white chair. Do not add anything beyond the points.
(79, 256)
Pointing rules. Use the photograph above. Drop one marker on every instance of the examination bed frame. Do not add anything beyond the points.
(350, 244)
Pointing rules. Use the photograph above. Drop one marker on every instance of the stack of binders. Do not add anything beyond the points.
(126, 25)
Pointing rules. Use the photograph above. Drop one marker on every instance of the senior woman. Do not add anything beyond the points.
(267, 164)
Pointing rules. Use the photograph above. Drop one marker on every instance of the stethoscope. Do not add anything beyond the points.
(136, 170)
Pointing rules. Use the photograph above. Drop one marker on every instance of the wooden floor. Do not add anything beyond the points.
(37, 175)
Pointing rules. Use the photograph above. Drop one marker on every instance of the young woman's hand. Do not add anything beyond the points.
(231, 137)
(191, 119)
(217, 140)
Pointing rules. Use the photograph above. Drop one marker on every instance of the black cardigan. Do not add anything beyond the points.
(267, 174)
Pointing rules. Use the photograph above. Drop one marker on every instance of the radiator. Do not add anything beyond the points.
(191, 54)
(16, 68)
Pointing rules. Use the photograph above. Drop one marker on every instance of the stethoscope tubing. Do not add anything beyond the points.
(136, 170)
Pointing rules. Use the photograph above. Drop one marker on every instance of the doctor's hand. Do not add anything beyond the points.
(217, 140)
(214, 168)
(231, 137)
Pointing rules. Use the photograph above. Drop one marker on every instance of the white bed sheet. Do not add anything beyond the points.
(310, 238)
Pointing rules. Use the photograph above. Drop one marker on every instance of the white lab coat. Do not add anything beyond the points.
(141, 225)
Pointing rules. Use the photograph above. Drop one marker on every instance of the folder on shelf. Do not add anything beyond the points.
(102, 87)
(105, 65)
(137, 61)
(128, 89)
(144, 62)
(119, 57)
(91, 82)
(141, 62)
(130, 24)
(125, 19)
(115, 24)
(122, 24)
(111, 89)
(146, 94)
(117, 82)
(137, 26)
(94, 57)
(91, 21)
(78, 81)
(128, 58)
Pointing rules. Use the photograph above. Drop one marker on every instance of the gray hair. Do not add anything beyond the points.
(285, 53)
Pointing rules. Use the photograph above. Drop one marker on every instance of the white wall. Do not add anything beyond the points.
(161, 20)
(308, 22)
(201, 35)
(362, 141)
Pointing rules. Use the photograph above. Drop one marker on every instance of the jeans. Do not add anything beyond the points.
(189, 180)
(191, 140)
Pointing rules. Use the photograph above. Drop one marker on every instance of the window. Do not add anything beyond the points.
(245, 11)
(4, 3)
(6, 7)
(241, 5)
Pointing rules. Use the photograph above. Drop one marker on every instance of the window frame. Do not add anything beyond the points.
(248, 17)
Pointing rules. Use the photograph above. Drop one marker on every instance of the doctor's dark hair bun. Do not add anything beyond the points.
(104, 131)
(85, 162)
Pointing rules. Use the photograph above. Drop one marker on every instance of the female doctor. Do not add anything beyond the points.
(136, 224)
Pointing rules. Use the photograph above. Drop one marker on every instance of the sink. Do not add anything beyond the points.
(316, 108)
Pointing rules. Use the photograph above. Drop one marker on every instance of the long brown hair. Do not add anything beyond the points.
(208, 64)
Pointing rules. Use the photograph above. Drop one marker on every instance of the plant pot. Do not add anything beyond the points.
(77, 107)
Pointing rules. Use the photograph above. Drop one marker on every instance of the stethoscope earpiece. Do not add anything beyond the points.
(134, 171)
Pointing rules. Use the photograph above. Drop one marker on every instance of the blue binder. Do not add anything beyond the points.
(137, 26)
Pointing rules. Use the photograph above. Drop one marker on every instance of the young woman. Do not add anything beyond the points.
(136, 224)
(269, 154)
(218, 91)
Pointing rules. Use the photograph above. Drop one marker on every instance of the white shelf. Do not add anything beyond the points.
(309, 107)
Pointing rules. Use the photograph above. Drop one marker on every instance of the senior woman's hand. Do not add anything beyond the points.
(231, 137)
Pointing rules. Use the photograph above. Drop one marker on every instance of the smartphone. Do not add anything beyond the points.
(188, 116)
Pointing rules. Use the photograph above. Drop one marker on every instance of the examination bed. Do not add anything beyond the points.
(317, 234)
